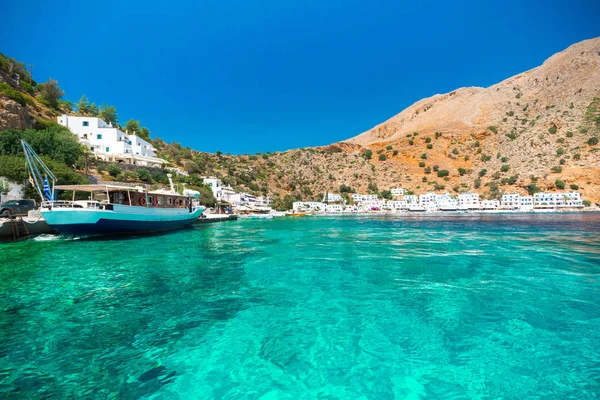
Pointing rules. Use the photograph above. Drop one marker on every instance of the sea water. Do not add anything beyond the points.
(449, 307)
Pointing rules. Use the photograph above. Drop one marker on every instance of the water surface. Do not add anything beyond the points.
(455, 307)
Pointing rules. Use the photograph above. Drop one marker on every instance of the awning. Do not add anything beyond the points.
(98, 188)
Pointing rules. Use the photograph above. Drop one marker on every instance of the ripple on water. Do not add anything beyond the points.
(449, 307)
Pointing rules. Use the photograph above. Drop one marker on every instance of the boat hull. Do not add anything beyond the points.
(122, 220)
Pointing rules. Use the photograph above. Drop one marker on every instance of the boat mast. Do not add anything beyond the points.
(38, 171)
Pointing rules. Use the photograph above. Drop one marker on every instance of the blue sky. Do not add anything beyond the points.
(250, 76)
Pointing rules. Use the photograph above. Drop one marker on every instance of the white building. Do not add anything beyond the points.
(511, 201)
(357, 197)
(304, 206)
(411, 199)
(544, 200)
(397, 192)
(568, 199)
(333, 198)
(490, 204)
(526, 203)
(428, 201)
(468, 201)
(397, 205)
(109, 143)
(334, 208)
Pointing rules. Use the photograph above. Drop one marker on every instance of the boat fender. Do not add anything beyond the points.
(142, 201)
(155, 201)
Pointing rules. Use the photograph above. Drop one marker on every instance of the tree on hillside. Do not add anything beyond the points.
(83, 105)
(51, 92)
(108, 113)
(133, 125)
(145, 134)
(93, 110)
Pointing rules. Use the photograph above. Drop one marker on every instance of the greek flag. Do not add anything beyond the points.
(47, 189)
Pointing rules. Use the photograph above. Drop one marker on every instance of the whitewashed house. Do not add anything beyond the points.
(428, 201)
(308, 206)
(333, 198)
(568, 199)
(357, 197)
(411, 199)
(544, 200)
(109, 143)
(511, 201)
(526, 203)
(397, 192)
(334, 208)
(468, 201)
(397, 205)
(490, 205)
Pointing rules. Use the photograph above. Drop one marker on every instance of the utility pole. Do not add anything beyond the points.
(31, 73)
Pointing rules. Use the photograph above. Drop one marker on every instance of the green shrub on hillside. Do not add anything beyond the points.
(559, 184)
(382, 157)
(56, 142)
(13, 94)
(442, 173)
(592, 141)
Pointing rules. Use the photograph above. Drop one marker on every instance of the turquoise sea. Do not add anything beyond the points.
(445, 307)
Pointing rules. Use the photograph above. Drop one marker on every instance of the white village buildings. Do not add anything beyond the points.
(110, 143)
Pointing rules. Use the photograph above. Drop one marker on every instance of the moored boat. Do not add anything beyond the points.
(109, 209)
(120, 210)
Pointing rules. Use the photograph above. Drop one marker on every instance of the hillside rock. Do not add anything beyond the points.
(13, 115)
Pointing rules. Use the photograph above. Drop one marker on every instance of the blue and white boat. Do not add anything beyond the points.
(109, 209)
(120, 210)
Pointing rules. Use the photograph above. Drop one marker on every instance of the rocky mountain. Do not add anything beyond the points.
(542, 123)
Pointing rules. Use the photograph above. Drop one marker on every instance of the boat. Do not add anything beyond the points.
(109, 209)
(114, 209)
(295, 214)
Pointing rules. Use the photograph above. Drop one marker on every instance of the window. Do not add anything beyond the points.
(107, 149)
(139, 144)
(99, 136)
(85, 123)
(130, 142)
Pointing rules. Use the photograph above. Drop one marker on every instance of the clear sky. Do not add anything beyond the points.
(248, 76)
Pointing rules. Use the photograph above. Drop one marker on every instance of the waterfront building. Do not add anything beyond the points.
(411, 199)
(334, 208)
(397, 205)
(446, 203)
(490, 204)
(568, 199)
(544, 200)
(428, 201)
(308, 206)
(526, 203)
(109, 143)
(468, 201)
(220, 191)
(510, 201)
(397, 192)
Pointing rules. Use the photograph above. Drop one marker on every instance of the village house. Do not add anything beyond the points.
(109, 143)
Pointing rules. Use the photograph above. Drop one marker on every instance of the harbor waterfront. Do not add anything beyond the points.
(346, 307)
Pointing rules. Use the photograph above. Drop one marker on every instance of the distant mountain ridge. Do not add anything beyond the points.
(569, 77)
